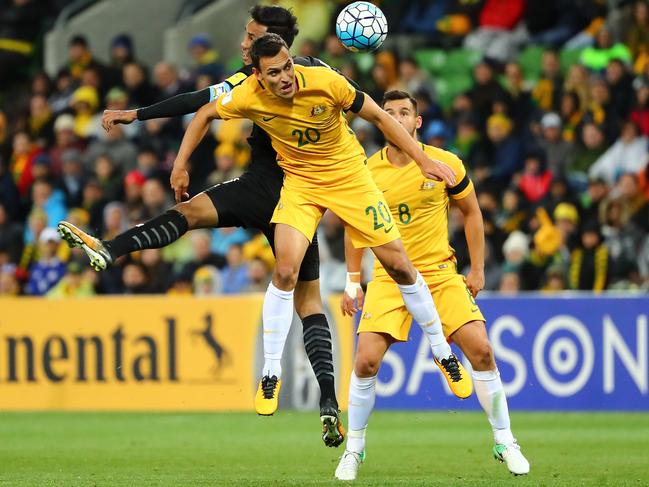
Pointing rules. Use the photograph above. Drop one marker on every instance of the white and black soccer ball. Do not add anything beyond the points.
(361, 26)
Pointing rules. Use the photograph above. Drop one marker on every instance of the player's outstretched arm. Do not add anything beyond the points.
(353, 290)
(175, 106)
(474, 232)
(193, 135)
(396, 134)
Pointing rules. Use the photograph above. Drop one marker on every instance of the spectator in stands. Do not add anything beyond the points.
(628, 188)
(366, 135)
(64, 140)
(76, 283)
(571, 116)
(140, 91)
(597, 57)
(159, 272)
(589, 261)
(121, 151)
(412, 78)
(519, 97)
(485, 91)
(207, 280)
(40, 123)
(121, 51)
(166, 80)
(64, 88)
(592, 146)
(225, 167)
(555, 279)
(637, 36)
(73, 177)
(620, 84)
(547, 89)
(640, 110)
(109, 177)
(203, 255)
(133, 184)
(627, 154)
(515, 251)
(535, 181)
(49, 199)
(577, 81)
(621, 237)
(148, 165)
(205, 57)
(258, 276)
(510, 283)
(115, 220)
(592, 199)
(155, 198)
(437, 134)
(468, 143)
(80, 57)
(93, 202)
(21, 162)
(235, 272)
(134, 278)
(116, 99)
(500, 30)
(559, 153)
(11, 235)
(506, 150)
(85, 103)
(48, 269)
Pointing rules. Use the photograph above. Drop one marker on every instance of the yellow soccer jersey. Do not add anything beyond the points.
(419, 206)
(309, 132)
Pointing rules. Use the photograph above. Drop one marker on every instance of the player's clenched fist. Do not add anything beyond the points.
(439, 172)
(179, 183)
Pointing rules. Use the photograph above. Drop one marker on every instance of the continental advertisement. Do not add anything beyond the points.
(137, 353)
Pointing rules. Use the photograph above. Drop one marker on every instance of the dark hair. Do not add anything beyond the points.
(266, 46)
(277, 20)
(398, 95)
(78, 40)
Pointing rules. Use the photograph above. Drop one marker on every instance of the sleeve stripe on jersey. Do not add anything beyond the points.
(357, 104)
(459, 187)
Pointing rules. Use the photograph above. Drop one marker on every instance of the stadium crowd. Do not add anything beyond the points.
(547, 104)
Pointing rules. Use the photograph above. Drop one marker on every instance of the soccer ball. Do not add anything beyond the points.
(361, 26)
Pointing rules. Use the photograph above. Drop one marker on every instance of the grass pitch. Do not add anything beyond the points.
(405, 449)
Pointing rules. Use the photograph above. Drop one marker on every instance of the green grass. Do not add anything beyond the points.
(406, 449)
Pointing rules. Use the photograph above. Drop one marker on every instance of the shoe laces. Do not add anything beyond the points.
(268, 385)
(452, 367)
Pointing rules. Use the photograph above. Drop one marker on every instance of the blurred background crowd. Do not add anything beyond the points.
(546, 102)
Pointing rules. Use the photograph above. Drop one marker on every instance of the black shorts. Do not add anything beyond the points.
(248, 202)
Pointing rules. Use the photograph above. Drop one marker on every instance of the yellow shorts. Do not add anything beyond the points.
(356, 201)
(384, 311)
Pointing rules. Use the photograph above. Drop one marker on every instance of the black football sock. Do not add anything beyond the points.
(317, 343)
(154, 234)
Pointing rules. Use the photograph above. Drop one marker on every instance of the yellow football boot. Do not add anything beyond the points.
(456, 376)
(267, 398)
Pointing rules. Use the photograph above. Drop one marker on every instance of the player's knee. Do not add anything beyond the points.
(483, 357)
(401, 270)
(190, 213)
(366, 366)
(286, 275)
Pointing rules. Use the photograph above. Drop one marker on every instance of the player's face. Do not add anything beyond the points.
(278, 73)
(253, 31)
(404, 113)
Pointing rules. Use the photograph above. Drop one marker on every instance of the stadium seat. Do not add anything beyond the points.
(449, 86)
(568, 57)
(461, 61)
(432, 60)
(530, 61)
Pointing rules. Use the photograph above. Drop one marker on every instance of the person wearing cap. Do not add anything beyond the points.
(507, 150)
(559, 153)
(84, 102)
(205, 56)
(121, 51)
(436, 134)
(76, 283)
(48, 269)
(115, 99)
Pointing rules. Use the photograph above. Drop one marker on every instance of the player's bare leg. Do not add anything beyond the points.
(318, 347)
(199, 212)
(419, 302)
(473, 340)
(362, 394)
(290, 247)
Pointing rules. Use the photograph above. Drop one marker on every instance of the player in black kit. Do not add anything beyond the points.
(248, 202)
